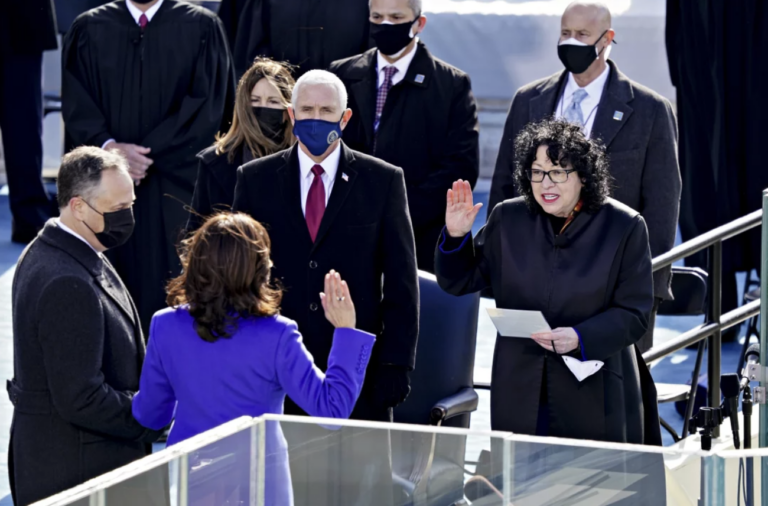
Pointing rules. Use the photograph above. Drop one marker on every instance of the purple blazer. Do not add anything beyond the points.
(249, 374)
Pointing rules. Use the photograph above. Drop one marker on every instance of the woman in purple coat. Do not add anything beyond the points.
(222, 351)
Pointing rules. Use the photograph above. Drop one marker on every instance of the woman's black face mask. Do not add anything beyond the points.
(272, 122)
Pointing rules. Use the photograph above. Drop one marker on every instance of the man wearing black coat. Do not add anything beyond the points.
(78, 346)
(636, 125)
(329, 207)
(415, 112)
(305, 33)
(27, 28)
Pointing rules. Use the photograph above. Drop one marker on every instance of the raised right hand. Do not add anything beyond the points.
(338, 306)
(137, 162)
(459, 212)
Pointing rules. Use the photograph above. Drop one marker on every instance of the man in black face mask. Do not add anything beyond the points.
(636, 125)
(413, 111)
(78, 346)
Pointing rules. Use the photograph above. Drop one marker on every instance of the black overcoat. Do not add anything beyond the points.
(78, 351)
(596, 278)
(639, 131)
(27, 27)
(215, 185)
(365, 235)
(165, 88)
(428, 127)
(306, 33)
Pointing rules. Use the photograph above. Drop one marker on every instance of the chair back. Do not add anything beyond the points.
(445, 355)
(689, 287)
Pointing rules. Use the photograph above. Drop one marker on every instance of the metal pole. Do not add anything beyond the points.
(764, 347)
(713, 348)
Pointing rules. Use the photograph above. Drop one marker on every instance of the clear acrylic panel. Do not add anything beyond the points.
(317, 462)
(551, 471)
(740, 473)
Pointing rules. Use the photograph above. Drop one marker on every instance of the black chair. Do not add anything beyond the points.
(429, 469)
(689, 287)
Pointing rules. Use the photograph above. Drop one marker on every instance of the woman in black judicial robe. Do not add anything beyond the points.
(564, 248)
(260, 127)
(163, 88)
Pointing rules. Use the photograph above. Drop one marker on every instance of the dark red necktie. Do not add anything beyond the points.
(143, 21)
(315, 202)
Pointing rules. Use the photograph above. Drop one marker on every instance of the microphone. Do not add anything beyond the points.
(751, 357)
(730, 386)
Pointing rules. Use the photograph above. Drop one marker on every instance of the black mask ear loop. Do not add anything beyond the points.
(95, 211)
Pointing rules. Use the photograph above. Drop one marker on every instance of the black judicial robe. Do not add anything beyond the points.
(307, 33)
(164, 89)
(596, 278)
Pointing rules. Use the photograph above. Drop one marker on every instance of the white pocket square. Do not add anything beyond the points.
(582, 370)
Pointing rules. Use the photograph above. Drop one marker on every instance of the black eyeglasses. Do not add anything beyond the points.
(556, 175)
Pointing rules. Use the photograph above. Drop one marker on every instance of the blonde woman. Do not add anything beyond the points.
(260, 127)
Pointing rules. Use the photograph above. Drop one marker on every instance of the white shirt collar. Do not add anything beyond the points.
(401, 65)
(593, 89)
(136, 13)
(330, 165)
(72, 232)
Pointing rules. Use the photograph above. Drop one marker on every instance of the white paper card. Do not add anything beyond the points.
(582, 370)
(517, 323)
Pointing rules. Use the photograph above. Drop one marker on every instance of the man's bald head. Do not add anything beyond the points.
(587, 22)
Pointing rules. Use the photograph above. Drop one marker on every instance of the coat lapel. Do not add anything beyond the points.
(363, 92)
(421, 68)
(614, 110)
(290, 190)
(341, 188)
(543, 106)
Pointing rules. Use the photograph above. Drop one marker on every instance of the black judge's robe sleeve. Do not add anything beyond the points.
(86, 123)
(625, 319)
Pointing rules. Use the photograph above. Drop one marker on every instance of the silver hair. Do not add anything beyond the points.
(81, 170)
(315, 77)
(414, 5)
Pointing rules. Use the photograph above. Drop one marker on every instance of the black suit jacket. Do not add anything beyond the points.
(641, 147)
(365, 235)
(428, 127)
(215, 185)
(78, 351)
(27, 26)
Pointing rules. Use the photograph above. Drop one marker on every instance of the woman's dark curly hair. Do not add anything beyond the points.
(567, 146)
(226, 275)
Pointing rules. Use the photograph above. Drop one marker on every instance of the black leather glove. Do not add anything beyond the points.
(392, 385)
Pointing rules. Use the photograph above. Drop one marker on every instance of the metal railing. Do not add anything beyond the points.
(715, 322)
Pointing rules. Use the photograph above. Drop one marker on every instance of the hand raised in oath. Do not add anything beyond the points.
(460, 213)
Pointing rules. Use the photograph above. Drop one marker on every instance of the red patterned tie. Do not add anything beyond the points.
(315, 202)
(143, 21)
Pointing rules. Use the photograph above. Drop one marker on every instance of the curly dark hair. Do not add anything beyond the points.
(226, 275)
(566, 146)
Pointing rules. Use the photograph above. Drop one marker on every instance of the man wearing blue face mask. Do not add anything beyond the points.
(413, 111)
(329, 207)
(636, 125)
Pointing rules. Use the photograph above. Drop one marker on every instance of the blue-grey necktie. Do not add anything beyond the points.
(573, 113)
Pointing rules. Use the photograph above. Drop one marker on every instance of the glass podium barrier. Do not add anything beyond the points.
(738, 477)
(301, 461)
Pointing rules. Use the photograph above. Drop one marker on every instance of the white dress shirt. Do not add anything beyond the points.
(72, 232)
(589, 104)
(401, 65)
(330, 165)
(136, 13)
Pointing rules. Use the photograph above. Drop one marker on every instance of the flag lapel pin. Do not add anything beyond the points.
(419, 78)
(618, 115)
(344, 176)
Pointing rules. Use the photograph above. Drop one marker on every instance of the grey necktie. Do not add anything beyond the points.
(573, 113)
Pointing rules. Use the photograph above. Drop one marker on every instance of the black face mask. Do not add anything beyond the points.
(391, 39)
(272, 122)
(577, 59)
(118, 227)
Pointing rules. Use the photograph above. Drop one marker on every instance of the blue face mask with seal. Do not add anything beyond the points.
(317, 134)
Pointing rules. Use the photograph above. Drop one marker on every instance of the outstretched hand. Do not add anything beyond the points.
(337, 303)
(460, 213)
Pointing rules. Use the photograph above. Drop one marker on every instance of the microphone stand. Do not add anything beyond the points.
(746, 409)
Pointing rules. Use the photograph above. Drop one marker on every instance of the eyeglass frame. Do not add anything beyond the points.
(529, 173)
